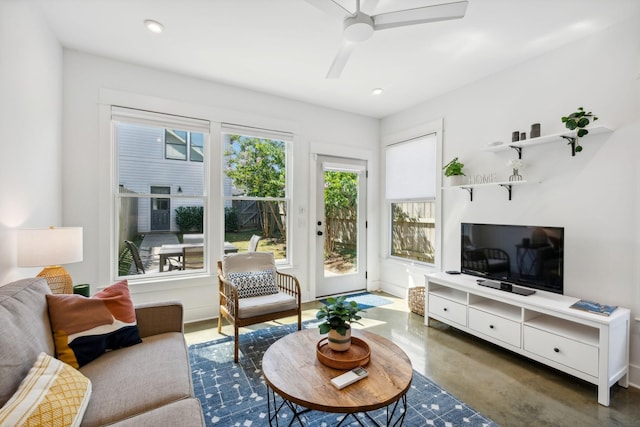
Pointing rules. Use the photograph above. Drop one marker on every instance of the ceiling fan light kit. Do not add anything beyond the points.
(359, 26)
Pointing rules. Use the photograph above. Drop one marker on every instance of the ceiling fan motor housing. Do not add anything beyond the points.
(358, 28)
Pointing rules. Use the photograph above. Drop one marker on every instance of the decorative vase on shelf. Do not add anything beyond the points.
(516, 176)
(535, 130)
(339, 342)
(455, 180)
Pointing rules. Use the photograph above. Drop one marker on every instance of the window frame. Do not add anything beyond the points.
(138, 117)
(434, 127)
(391, 241)
(252, 132)
(168, 144)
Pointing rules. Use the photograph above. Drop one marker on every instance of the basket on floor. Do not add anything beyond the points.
(416, 300)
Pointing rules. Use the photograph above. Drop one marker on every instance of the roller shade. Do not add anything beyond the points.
(256, 132)
(169, 121)
(411, 169)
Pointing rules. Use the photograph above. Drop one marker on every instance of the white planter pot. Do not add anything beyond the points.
(456, 180)
(339, 342)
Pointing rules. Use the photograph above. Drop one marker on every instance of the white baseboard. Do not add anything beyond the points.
(196, 314)
(634, 376)
(395, 290)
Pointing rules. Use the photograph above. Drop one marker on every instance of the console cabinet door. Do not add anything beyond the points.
(494, 326)
(574, 354)
(447, 309)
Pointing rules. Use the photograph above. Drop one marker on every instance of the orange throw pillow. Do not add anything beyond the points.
(84, 328)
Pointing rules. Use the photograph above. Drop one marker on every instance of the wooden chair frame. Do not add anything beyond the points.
(135, 254)
(285, 282)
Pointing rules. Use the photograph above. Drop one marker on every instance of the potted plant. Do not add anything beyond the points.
(338, 314)
(453, 169)
(579, 120)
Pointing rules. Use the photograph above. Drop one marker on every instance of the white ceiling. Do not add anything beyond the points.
(285, 47)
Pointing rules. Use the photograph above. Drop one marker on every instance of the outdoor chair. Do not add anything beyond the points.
(135, 254)
(193, 257)
(252, 291)
(253, 243)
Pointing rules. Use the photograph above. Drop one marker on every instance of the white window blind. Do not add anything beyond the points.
(256, 132)
(130, 115)
(411, 169)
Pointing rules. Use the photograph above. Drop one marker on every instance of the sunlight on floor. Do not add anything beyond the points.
(207, 330)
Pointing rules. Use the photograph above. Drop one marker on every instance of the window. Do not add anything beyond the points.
(411, 177)
(176, 144)
(196, 144)
(160, 202)
(413, 231)
(177, 141)
(256, 199)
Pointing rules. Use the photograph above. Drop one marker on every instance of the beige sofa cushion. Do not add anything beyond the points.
(248, 261)
(264, 304)
(183, 413)
(25, 331)
(132, 380)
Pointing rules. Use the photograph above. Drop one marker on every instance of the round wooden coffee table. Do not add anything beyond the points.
(299, 382)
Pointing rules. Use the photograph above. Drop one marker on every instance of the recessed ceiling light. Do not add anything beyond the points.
(153, 26)
(377, 91)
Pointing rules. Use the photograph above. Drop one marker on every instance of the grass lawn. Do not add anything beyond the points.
(241, 241)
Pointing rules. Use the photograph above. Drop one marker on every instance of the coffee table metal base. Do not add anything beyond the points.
(394, 413)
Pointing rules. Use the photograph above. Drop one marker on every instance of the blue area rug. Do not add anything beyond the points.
(236, 394)
(365, 300)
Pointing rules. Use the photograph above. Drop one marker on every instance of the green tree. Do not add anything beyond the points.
(257, 168)
(340, 202)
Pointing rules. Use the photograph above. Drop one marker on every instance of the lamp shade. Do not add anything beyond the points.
(38, 247)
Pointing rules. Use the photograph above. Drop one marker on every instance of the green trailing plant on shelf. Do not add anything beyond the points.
(453, 168)
(578, 121)
(338, 314)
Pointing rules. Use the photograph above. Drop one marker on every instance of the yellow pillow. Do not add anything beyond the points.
(52, 394)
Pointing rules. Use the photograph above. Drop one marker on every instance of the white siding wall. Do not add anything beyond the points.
(143, 165)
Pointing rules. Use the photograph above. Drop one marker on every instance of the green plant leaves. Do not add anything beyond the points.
(454, 167)
(337, 314)
(579, 120)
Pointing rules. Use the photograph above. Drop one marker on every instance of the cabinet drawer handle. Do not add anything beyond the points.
(446, 309)
(490, 326)
(556, 349)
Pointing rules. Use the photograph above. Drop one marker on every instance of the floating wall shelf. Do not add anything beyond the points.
(569, 137)
(507, 185)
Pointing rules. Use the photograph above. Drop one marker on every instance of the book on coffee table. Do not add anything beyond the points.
(594, 307)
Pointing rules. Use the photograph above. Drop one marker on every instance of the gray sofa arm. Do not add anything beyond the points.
(159, 318)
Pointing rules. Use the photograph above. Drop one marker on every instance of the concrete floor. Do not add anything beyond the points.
(509, 389)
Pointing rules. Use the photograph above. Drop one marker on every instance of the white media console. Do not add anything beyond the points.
(541, 327)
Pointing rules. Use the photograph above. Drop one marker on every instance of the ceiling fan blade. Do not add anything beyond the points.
(330, 7)
(420, 15)
(340, 60)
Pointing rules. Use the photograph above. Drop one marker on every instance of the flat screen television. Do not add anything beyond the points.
(524, 255)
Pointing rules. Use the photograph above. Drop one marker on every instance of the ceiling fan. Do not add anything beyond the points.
(358, 26)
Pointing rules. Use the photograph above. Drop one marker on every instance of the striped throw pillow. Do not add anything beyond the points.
(52, 394)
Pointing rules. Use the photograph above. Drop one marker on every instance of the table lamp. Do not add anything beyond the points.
(51, 247)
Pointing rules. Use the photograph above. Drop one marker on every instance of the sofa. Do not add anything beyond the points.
(146, 384)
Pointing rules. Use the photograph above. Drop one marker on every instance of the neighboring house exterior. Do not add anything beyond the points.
(154, 160)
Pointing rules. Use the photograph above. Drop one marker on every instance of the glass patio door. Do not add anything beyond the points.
(340, 225)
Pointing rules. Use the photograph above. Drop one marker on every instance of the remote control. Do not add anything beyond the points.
(350, 377)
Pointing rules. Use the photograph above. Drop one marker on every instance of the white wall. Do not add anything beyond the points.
(593, 195)
(90, 80)
(30, 125)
